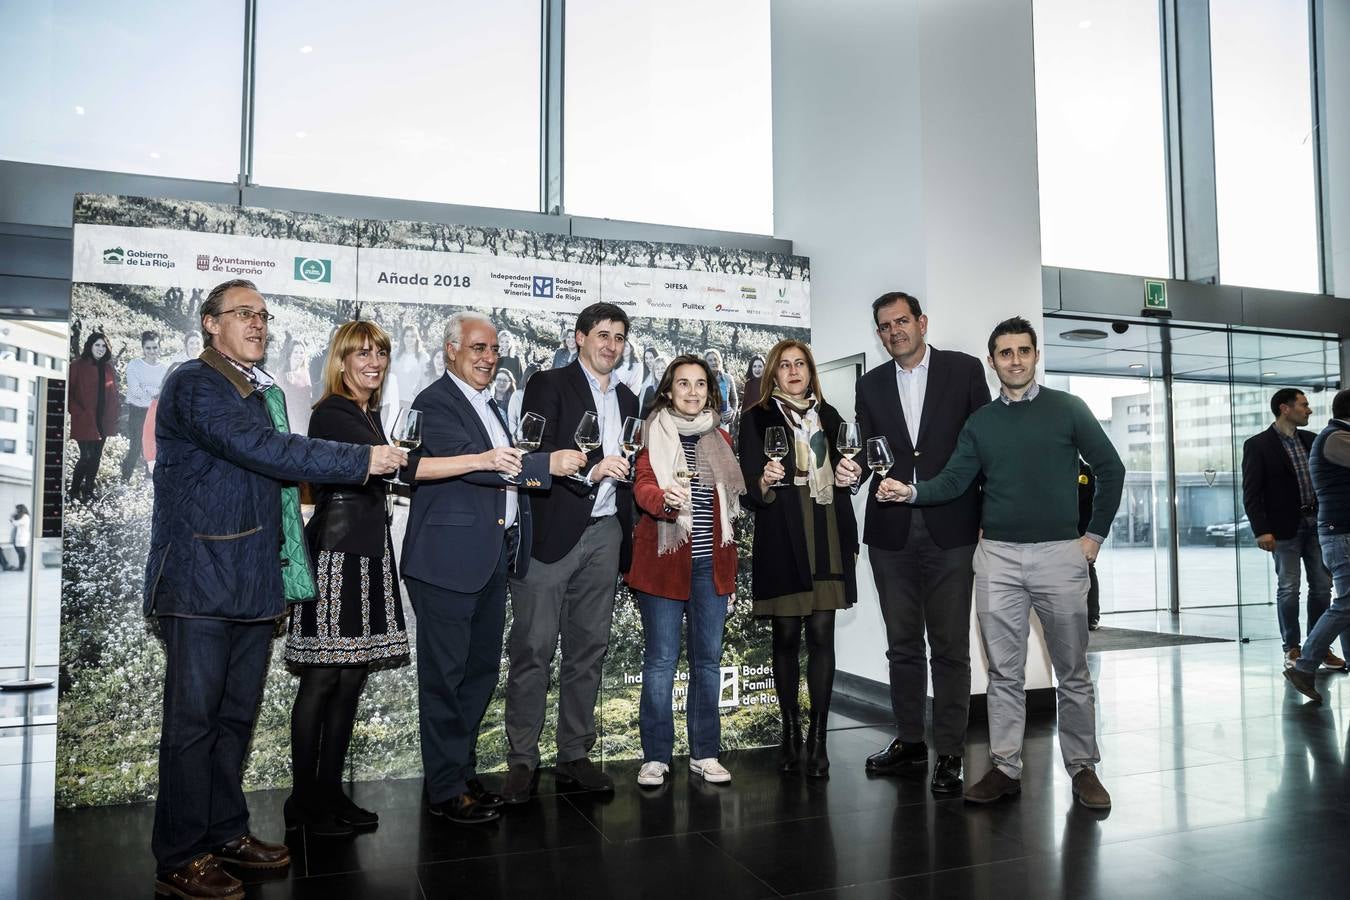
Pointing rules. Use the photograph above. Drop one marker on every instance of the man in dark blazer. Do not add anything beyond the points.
(921, 558)
(469, 527)
(1281, 506)
(585, 532)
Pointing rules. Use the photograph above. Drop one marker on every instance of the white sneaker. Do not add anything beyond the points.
(710, 769)
(652, 774)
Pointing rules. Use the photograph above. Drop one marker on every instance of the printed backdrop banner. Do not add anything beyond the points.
(145, 265)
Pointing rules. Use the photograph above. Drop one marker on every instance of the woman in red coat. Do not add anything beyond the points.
(94, 407)
(687, 487)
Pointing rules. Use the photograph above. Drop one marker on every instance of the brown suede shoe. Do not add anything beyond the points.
(1333, 662)
(1304, 682)
(993, 786)
(248, 852)
(1088, 790)
(201, 878)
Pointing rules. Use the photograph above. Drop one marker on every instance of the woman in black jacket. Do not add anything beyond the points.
(806, 542)
(356, 623)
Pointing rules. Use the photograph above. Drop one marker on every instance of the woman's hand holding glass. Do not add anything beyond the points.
(772, 476)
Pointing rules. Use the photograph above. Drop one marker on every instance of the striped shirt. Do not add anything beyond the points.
(701, 540)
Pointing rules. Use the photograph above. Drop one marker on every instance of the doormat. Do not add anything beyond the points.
(1105, 638)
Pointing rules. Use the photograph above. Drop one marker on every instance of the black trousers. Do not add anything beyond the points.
(459, 653)
(926, 589)
(213, 680)
(135, 434)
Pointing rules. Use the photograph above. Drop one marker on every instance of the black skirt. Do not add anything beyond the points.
(357, 618)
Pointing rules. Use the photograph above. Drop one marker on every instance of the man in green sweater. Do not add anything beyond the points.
(1030, 556)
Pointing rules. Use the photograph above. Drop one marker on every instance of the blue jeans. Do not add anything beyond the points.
(1292, 555)
(213, 679)
(661, 619)
(1336, 619)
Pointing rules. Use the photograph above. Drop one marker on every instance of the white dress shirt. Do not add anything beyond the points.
(913, 387)
(611, 429)
(496, 430)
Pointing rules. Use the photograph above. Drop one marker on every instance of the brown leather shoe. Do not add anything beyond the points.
(248, 852)
(201, 878)
(1088, 790)
(993, 786)
(1333, 662)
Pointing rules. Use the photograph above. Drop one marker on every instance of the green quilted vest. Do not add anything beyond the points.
(296, 576)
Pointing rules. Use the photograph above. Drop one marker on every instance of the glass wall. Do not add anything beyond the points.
(425, 101)
(669, 113)
(1101, 147)
(31, 351)
(140, 86)
(1264, 144)
(1212, 388)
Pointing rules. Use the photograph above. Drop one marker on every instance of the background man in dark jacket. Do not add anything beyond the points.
(214, 580)
(584, 541)
(921, 558)
(1278, 495)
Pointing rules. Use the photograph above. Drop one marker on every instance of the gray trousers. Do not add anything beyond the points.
(572, 598)
(1051, 578)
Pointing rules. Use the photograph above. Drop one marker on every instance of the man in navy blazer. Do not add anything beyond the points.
(1281, 507)
(469, 528)
(921, 558)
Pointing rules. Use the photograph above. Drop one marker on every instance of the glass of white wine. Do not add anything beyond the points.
(529, 434)
(630, 442)
(406, 434)
(587, 437)
(775, 445)
(685, 479)
(849, 443)
(879, 457)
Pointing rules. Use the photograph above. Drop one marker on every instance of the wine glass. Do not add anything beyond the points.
(630, 442)
(849, 443)
(407, 434)
(684, 478)
(879, 457)
(775, 445)
(529, 434)
(587, 437)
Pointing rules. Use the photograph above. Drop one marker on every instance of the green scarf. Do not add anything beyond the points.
(296, 576)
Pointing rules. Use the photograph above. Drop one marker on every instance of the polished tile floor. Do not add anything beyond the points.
(1226, 785)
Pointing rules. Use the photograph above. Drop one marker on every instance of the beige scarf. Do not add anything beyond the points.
(810, 446)
(714, 462)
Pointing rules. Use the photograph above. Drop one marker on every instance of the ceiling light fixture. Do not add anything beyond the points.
(79, 110)
(1269, 374)
(1083, 334)
(1136, 365)
(307, 49)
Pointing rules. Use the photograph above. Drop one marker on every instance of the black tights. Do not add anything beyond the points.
(86, 468)
(787, 635)
(321, 727)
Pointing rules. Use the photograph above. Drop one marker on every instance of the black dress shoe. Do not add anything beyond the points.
(346, 811)
(318, 822)
(584, 774)
(897, 756)
(464, 810)
(946, 775)
(519, 784)
(485, 798)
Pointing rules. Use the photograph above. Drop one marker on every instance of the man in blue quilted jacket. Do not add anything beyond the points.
(214, 581)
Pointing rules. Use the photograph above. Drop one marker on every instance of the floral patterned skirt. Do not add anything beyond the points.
(357, 618)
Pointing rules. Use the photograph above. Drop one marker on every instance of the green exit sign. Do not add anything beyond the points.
(1155, 295)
